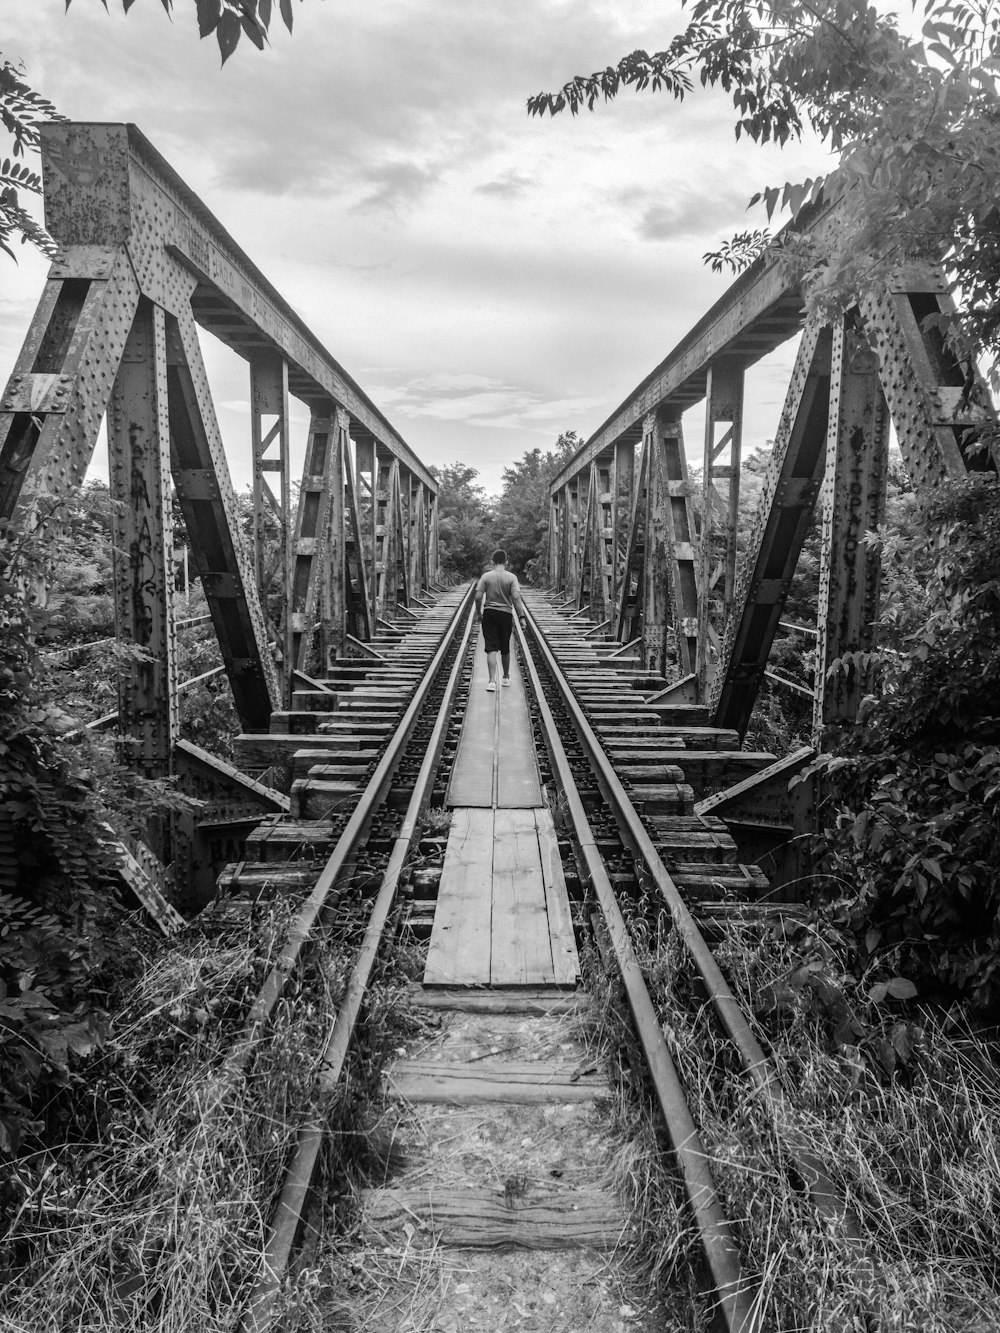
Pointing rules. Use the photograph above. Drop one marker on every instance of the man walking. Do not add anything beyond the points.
(500, 591)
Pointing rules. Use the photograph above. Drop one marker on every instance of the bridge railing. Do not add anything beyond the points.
(628, 541)
(143, 264)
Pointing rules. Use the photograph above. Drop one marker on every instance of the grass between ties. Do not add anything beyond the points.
(913, 1145)
(157, 1220)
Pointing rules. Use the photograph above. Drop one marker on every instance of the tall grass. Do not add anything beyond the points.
(915, 1151)
(159, 1222)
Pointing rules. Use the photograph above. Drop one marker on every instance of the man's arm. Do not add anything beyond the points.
(515, 596)
(480, 594)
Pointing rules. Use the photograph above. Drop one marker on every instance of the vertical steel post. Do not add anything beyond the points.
(655, 578)
(572, 544)
(333, 621)
(853, 498)
(624, 480)
(139, 450)
(723, 404)
(271, 513)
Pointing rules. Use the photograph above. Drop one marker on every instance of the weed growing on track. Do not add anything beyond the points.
(159, 1222)
(912, 1143)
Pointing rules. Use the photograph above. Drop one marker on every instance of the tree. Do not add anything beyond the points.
(522, 513)
(915, 122)
(22, 110)
(465, 537)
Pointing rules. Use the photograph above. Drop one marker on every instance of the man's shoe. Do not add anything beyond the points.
(492, 686)
(505, 681)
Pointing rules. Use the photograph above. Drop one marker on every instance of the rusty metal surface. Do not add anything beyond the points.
(139, 457)
(784, 512)
(853, 501)
(106, 184)
(224, 564)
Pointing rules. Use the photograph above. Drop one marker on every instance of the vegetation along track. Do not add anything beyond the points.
(367, 752)
(619, 834)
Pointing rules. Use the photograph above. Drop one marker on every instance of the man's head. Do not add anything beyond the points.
(500, 556)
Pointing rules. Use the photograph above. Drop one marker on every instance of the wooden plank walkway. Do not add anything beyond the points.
(502, 916)
(495, 764)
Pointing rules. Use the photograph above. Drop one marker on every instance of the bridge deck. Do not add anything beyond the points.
(502, 916)
(495, 765)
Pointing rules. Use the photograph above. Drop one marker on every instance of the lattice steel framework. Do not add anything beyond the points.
(144, 263)
(677, 595)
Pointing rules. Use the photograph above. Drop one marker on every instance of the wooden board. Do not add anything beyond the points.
(518, 1082)
(486, 1219)
(503, 915)
(523, 1000)
(518, 787)
(473, 776)
(459, 950)
(521, 952)
(565, 958)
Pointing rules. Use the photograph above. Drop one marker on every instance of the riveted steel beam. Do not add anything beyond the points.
(629, 610)
(361, 620)
(311, 524)
(657, 588)
(224, 564)
(682, 549)
(272, 522)
(720, 496)
(106, 184)
(853, 501)
(938, 406)
(139, 453)
(333, 620)
(785, 510)
(51, 411)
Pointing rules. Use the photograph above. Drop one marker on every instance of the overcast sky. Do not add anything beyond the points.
(489, 280)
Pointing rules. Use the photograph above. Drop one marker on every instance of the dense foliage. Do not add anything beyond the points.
(59, 912)
(521, 516)
(913, 793)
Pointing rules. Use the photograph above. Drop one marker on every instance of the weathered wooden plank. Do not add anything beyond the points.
(562, 940)
(524, 1000)
(518, 787)
(521, 953)
(459, 949)
(473, 777)
(486, 1219)
(520, 1082)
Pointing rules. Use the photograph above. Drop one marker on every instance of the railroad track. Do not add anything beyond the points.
(367, 752)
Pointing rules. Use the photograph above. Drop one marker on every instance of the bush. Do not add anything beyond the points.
(912, 795)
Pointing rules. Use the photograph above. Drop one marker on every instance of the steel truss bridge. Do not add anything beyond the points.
(356, 676)
(114, 337)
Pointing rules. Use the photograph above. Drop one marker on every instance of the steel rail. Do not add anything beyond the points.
(738, 1304)
(763, 1075)
(288, 1215)
(301, 929)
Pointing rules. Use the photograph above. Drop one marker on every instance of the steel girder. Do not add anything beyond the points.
(272, 523)
(853, 503)
(139, 455)
(788, 499)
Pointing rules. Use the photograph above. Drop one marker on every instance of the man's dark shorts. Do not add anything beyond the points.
(497, 626)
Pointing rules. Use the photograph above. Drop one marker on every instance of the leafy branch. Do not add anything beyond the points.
(915, 122)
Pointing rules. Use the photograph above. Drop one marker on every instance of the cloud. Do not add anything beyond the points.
(396, 184)
(509, 184)
(480, 401)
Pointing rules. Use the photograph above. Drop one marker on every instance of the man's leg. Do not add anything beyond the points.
(491, 665)
(505, 660)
